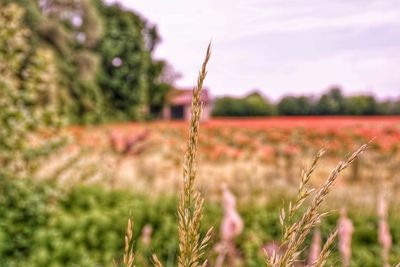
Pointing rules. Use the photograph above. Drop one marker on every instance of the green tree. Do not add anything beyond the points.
(361, 105)
(256, 105)
(392, 107)
(129, 77)
(51, 25)
(28, 98)
(161, 77)
(331, 103)
(253, 104)
(227, 106)
(73, 28)
(87, 39)
(291, 105)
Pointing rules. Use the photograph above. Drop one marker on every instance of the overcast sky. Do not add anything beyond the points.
(280, 46)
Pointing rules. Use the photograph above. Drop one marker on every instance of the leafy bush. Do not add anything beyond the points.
(41, 226)
(25, 208)
(83, 227)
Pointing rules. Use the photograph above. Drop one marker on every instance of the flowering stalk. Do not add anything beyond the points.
(129, 256)
(296, 234)
(190, 208)
(315, 247)
(345, 231)
(384, 236)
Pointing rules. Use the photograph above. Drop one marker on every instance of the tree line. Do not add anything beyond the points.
(332, 102)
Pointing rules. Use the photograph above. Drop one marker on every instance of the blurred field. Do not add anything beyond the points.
(75, 219)
(258, 158)
(67, 191)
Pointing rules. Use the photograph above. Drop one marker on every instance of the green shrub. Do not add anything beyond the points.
(43, 226)
(87, 226)
(25, 208)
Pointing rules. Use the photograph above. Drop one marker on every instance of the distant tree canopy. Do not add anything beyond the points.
(333, 102)
(251, 105)
(103, 63)
(291, 105)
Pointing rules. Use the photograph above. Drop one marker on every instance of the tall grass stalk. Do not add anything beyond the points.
(190, 208)
(295, 234)
(156, 261)
(326, 251)
(129, 256)
(302, 195)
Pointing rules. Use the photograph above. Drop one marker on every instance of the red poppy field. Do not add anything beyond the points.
(257, 157)
(255, 163)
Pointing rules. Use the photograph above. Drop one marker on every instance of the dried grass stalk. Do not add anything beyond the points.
(190, 208)
(296, 233)
(302, 195)
(326, 250)
(156, 261)
(129, 256)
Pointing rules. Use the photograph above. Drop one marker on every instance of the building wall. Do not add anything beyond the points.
(167, 112)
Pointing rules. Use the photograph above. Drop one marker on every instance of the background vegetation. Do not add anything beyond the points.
(43, 225)
(333, 102)
(100, 57)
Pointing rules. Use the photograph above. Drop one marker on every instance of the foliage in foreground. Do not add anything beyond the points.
(44, 226)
